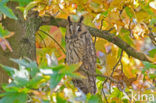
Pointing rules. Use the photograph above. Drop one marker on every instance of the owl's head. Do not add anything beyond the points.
(75, 29)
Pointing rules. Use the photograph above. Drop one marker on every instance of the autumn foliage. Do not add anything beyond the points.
(119, 76)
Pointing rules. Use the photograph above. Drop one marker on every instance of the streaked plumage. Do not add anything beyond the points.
(80, 48)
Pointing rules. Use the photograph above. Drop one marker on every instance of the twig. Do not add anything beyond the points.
(105, 96)
(112, 71)
(117, 63)
(110, 29)
(153, 38)
(104, 76)
(121, 66)
(54, 40)
(42, 39)
(100, 75)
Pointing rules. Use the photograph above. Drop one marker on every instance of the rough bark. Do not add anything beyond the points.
(23, 41)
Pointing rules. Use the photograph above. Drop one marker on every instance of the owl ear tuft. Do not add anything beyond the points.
(81, 19)
(69, 20)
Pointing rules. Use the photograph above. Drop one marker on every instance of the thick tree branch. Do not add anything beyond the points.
(102, 34)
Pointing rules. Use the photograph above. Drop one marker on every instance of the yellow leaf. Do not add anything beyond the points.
(111, 59)
(29, 6)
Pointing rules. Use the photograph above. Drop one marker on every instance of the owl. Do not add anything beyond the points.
(80, 48)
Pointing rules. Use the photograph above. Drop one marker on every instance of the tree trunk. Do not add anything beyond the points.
(23, 41)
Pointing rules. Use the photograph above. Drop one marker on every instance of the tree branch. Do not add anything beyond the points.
(102, 34)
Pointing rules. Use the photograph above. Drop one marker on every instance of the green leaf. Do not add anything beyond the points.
(149, 65)
(6, 88)
(129, 12)
(95, 99)
(4, 1)
(59, 99)
(9, 70)
(21, 62)
(20, 81)
(20, 77)
(45, 101)
(34, 82)
(153, 21)
(105, 13)
(23, 2)
(99, 78)
(3, 32)
(126, 36)
(29, 6)
(116, 93)
(70, 68)
(57, 68)
(63, 30)
(152, 76)
(148, 10)
(152, 52)
(14, 97)
(7, 11)
(55, 79)
(31, 65)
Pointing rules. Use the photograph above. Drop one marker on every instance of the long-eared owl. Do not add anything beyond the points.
(80, 48)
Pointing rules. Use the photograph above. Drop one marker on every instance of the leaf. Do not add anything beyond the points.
(95, 99)
(148, 10)
(34, 82)
(14, 97)
(9, 70)
(70, 71)
(152, 76)
(19, 81)
(5, 44)
(45, 101)
(99, 78)
(20, 77)
(95, 5)
(4, 1)
(149, 65)
(129, 12)
(3, 32)
(29, 6)
(57, 68)
(126, 36)
(152, 52)
(116, 93)
(23, 62)
(153, 21)
(10, 89)
(105, 14)
(31, 66)
(55, 79)
(23, 2)
(60, 99)
(70, 68)
(7, 11)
